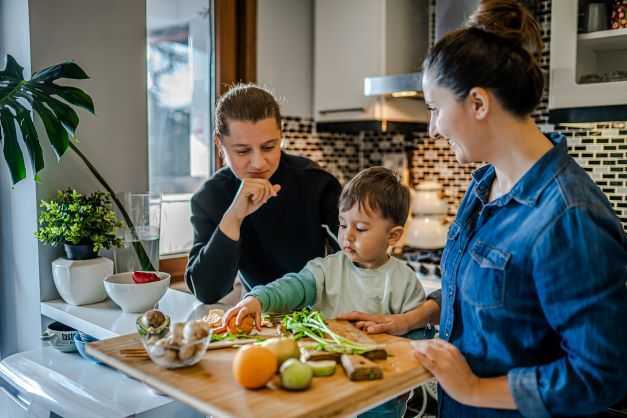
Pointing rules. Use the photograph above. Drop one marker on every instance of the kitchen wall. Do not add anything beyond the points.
(600, 148)
(285, 52)
(108, 40)
(109, 43)
(18, 214)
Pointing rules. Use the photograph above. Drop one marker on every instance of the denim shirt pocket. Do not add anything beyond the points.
(453, 234)
(484, 287)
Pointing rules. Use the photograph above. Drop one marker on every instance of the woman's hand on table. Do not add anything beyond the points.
(449, 367)
(395, 324)
(249, 306)
(251, 195)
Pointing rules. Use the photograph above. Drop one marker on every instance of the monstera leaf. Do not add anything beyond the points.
(19, 98)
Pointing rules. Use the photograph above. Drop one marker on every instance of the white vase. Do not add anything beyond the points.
(80, 282)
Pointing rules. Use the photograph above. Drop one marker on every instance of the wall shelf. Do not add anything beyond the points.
(576, 57)
(605, 40)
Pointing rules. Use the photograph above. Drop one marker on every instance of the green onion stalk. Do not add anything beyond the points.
(310, 323)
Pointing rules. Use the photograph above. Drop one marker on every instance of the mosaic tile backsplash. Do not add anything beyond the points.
(600, 148)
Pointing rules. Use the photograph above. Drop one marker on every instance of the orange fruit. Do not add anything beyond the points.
(254, 366)
(247, 325)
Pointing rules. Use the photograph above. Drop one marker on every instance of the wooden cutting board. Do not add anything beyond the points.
(348, 330)
(210, 388)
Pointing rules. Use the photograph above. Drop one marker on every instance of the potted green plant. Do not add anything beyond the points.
(20, 99)
(84, 225)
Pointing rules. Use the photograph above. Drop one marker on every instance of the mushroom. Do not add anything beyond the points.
(176, 333)
(187, 351)
(153, 318)
(195, 330)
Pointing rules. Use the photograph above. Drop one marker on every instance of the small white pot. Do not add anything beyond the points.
(80, 282)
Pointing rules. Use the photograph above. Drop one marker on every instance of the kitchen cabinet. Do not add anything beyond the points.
(355, 39)
(588, 69)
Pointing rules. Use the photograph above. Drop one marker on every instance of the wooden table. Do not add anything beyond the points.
(210, 388)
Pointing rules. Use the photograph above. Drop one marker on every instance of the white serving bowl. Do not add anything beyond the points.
(135, 297)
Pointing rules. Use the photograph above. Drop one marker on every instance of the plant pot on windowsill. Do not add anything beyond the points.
(84, 225)
(79, 277)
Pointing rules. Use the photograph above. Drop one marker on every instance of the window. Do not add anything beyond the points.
(180, 108)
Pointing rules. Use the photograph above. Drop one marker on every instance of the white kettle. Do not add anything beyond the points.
(427, 228)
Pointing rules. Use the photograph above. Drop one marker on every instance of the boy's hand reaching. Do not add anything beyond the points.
(394, 324)
(249, 306)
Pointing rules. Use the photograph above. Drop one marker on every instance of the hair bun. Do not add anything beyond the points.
(510, 21)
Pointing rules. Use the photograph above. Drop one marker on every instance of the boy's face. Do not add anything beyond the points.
(365, 236)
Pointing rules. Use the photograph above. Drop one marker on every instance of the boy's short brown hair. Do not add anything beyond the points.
(377, 188)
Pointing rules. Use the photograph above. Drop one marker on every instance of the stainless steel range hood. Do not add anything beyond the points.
(397, 85)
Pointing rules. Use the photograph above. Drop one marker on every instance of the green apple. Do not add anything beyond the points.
(295, 375)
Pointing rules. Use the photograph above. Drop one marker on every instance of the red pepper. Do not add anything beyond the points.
(145, 277)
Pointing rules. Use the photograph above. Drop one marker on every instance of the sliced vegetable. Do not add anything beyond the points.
(323, 367)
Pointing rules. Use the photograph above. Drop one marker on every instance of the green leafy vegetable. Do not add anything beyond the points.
(310, 323)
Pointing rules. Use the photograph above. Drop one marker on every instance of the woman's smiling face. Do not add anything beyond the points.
(452, 119)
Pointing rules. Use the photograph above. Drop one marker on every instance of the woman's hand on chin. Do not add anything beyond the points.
(251, 195)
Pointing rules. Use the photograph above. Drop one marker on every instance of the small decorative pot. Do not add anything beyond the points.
(59, 336)
(79, 278)
(79, 252)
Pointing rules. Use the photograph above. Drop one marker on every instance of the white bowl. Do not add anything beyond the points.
(135, 297)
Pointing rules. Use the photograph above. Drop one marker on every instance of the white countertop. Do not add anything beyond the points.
(106, 320)
(70, 386)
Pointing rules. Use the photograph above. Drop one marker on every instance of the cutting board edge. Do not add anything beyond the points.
(164, 389)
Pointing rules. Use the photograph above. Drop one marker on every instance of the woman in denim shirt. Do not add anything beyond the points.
(534, 298)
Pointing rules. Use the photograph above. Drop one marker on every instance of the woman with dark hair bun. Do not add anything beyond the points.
(534, 299)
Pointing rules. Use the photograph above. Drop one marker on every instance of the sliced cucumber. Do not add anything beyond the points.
(323, 367)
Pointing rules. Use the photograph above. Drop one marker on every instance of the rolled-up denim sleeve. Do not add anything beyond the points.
(524, 386)
(579, 270)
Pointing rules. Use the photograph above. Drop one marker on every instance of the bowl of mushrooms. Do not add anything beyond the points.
(183, 346)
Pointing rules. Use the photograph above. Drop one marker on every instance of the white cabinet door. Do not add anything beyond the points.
(349, 46)
(12, 407)
(575, 56)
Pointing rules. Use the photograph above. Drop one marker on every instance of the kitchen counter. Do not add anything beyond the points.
(106, 320)
(37, 382)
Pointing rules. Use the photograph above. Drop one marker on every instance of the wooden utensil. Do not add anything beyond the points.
(360, 368)
(134, 353)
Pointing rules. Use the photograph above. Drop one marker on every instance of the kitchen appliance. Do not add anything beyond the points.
(596, 17)
(427, 228)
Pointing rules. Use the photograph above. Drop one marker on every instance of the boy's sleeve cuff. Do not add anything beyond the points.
(258, 292)
(436, 296)
(524, 387)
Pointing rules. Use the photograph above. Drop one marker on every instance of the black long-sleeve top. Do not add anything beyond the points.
(279, 238)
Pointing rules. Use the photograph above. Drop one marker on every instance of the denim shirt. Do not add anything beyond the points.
(534, 288)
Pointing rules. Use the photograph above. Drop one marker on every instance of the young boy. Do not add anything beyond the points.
(362, 277)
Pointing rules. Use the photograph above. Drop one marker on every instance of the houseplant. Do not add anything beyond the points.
(84, 225)
(20, 99)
